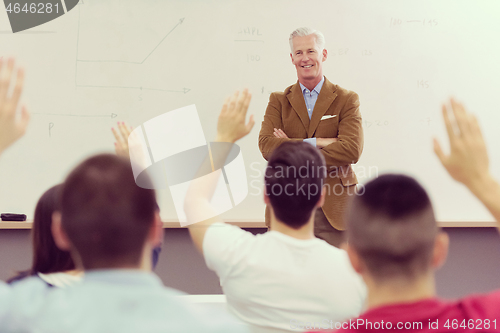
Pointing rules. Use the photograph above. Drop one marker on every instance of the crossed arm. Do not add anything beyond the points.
(340, 151)
(320, 142)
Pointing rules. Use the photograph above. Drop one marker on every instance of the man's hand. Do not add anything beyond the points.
(468, 159)
(11, 128)
(323, 142)
(280, 134)
(320, 142)
(121, 136)
(129, 145)
(231, 125)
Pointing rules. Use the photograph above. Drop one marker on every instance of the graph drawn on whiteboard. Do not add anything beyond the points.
(102, 73)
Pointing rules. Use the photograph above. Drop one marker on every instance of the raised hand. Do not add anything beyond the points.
(121, 135)
(468, 160)
(231, 125)
(11, 128)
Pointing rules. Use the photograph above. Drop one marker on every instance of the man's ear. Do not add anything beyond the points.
(156, 233)
(60, 238)
(325, 54)
(266, 198)
(353, 258)
(291, 57)
(321, 200)
(440, 252)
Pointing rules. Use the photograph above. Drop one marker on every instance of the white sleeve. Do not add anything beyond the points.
(224, 248)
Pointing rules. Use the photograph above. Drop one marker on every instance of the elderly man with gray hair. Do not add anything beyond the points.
(323, 114)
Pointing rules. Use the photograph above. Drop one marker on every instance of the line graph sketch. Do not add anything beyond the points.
(85, 64)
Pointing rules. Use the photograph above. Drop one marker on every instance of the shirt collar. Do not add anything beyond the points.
(318, 87)
(122, 276)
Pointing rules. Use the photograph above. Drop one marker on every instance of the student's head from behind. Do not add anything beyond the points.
(105, 219)
(47, 257)
(392, 232)
(294, 180)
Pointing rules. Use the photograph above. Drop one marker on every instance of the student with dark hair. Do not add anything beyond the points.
(395, 244)
(50, 264)
(275, 281)
(121, 135)
(109, 225)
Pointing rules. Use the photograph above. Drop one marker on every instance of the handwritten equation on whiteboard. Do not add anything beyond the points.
(425, 22)
(249, 34)
(250, 38)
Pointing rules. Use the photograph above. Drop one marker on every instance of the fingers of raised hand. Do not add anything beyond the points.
(232, 102)
(5, 78)
(244, 101)
(476, 129)
(238, 103)
(225, 106)
(18, 88)
(25, 119)
(449, 126)
(115, 133)
(121, 141)
(439, 152)
(461, 118)
(250, 124)
(124, 130)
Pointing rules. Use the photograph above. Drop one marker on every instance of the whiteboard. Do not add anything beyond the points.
(109, 61)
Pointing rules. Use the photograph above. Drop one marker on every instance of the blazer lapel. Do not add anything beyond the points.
(325, 98)
(296, 99)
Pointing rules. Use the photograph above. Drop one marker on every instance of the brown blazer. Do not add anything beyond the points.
(287, 111)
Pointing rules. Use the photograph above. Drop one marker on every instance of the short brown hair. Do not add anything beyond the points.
(294, 179)
(105, 214)
(392, 227)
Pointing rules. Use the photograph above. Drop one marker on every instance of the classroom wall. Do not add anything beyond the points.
(472, 265)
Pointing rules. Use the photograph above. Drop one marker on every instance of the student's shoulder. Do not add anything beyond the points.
(228, 231)
(481, 306)
(198, 315)
(329, 250)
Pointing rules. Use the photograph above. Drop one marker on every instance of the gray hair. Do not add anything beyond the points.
(301, 32)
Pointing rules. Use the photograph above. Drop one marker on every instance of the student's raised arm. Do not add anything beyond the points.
(11, 128)
(468, 161)
(121, 135)
(231, 127)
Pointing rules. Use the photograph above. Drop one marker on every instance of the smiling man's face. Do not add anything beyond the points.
(308, 59)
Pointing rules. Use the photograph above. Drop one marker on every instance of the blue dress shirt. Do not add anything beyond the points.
(310, 97)
(117, 300)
